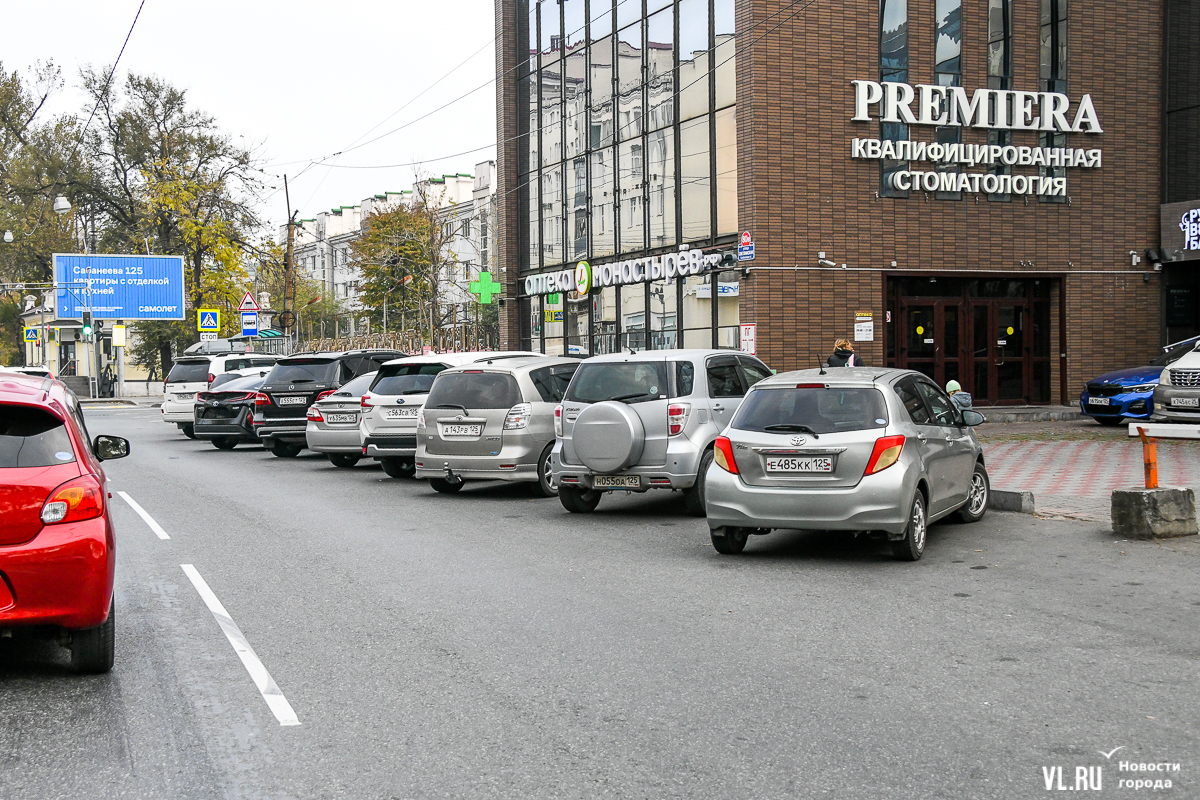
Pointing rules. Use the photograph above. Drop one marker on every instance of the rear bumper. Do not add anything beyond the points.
(324, 440)
(878, 502)
(178, 412)
(1164, 411)
(524, 457)
(292, 434)
(64, 576)
(224, 428)
(402, 445)
(679, 471)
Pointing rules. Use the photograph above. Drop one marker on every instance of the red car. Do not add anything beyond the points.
(57, 557)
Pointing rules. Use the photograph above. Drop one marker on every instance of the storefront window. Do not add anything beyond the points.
(525, 321)
(604, 319)
(633, 317)
(697, 312)
(728, 335)
(577, 325)
(552, 317)
(663, 315)
(660, 171)
(893, 66)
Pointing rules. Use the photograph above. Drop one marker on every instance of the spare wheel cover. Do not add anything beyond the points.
(608, 436)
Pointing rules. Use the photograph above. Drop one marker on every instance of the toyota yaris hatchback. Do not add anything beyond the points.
(56, 535)
(878, 450)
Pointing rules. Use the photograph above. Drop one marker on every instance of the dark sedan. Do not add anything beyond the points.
(226, 415)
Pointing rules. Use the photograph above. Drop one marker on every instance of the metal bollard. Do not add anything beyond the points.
(1149, 458)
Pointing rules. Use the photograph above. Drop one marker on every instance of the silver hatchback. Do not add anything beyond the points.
(492, 421)
(880, 450)
(333, 422)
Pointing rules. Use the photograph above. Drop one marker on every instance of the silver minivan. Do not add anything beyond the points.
(492, 421)
(647, 420)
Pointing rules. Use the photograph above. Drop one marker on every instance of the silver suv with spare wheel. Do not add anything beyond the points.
(647, 420)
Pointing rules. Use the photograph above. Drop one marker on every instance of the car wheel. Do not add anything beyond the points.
(225, 443)
(693, 498)
(729, 541)
(342, 460)
(978, 497)
(285, 450)
(189, 430)
(93, 650)
(545, 483)
(398, 467)
(444, 486)
(1109, 421)
(578, 501)
(912, 546)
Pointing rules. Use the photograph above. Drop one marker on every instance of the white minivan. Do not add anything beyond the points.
(193, 373)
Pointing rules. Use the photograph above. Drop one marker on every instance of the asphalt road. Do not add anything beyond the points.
(491, 645)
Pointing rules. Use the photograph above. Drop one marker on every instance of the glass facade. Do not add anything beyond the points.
(628, 149)
(1053, 74)
(948, 72)
(893, 66)
(999, 61)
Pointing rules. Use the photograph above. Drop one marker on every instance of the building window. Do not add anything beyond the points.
(999, 61)
(1054, 78)
(948, 72)
(893, 67)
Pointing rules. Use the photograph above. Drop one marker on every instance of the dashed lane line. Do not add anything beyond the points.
(141, 512)
(267, 687)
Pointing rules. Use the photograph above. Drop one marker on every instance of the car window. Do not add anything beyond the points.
(406, 378)
(77, 412)
(753, 371)
(685, 378)
(223, 378)
(474, 390)
(822, 410)
(1174, 354)
(239, 383)
(189, 372)
(236, 363)
(552, 382)
(31, 437)
(939, 403)
(262, 362)
(380, 360)
(724, 380)
(627, 381)
(912, 401)
(303, 371)
(356, 387)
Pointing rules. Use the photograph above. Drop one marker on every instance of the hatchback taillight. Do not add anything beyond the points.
(202, 397)
(211, 378)
(325, 394)
(76, 500)
(558, 426)
(518, 417)
(366, 402)
(886, 452)
(723, 455)
(261, 399)
(314, 414)
(677, 415)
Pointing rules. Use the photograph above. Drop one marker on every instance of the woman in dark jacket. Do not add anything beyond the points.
(843, 355)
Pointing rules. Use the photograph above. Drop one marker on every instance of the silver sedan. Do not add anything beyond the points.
(847, 449)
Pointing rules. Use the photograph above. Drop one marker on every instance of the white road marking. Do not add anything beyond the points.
(267, 687)
(154, 526)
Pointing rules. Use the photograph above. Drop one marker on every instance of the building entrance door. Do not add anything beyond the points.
(932, 339)
(999, 353)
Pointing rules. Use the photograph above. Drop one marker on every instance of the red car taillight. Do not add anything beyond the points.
(723, 455)
(314, 414)
(677, 417)
(366, 402)
(202, 397)
(211, 378)
(886, 452)
(558, 428)
(261, 399)
(76, 500)
(325, 394)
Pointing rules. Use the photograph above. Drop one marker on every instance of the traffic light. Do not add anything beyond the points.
(87, 324)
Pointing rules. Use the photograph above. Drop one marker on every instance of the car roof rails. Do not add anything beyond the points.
(215, 347)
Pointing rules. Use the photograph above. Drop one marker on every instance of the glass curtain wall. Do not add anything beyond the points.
(1000, 70)
(948, 72)
(893, 66)
(1053, 76)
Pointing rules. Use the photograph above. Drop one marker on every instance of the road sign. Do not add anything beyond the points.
(118, 336)
(208, 336)
(248, 303)
(749, 337)
(746, 247)
(122, 286)
(208, 319)
(249, 323)
(746, 238)
(31, 335)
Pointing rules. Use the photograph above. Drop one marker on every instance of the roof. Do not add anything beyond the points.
(665, 355)
(458, 359)
(514, 363)
(20, 387)
(860, 376)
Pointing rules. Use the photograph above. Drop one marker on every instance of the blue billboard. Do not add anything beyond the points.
(121, 286)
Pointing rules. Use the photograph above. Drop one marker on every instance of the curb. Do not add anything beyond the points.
(1020, 502)
(106, 401)
(1049, 415)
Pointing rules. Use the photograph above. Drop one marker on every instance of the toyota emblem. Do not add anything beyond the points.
(798, 440)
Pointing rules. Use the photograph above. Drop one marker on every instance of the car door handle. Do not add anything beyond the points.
(921, 437)
(718, 407)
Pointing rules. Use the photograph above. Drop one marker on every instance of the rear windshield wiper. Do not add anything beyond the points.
(419, 391)
(787, 427)
(301, 380)
(454, 405)
(624, 397)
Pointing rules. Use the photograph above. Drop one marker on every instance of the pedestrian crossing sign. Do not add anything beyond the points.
(208, 319)
(31, 335)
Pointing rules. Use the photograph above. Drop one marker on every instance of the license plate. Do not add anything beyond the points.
(1099, 401)
(461, 430)
(793, 464)
(185, 396)
(618, 481)
(400, 413)
(336, 418)
(291, 401)
(1187, 402)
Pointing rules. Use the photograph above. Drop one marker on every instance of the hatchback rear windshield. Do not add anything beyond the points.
(406, 378)
(30, 437)
(822, 410)
(303, 372)
(356, 387)
(473, 390)
(240, 383)
(627, 381)
(189, 372)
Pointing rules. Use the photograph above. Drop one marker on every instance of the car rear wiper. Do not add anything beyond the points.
(419, 391)
(454, 405)
(301, 380)
(788, 427)
(624, 397)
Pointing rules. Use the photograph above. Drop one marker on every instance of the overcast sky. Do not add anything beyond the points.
(301, 79)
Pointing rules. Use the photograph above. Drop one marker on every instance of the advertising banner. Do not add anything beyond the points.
(121, 286)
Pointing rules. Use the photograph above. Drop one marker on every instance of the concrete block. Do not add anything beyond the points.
(1148, 513)
(1021, 502)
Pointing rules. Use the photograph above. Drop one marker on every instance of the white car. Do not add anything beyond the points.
(1177, 396)
(388, 423)
(194, 373)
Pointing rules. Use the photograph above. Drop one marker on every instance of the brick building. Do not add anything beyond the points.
(971, 188)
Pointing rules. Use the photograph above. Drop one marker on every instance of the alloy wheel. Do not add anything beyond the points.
(918, 526)
(978, 497)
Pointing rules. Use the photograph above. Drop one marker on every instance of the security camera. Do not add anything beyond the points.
(825, 262)
(1134, 258)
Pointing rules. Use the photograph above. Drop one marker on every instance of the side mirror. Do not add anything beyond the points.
(973, 418)
(107, 448)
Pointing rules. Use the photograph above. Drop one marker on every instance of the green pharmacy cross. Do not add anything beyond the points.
(485, 287)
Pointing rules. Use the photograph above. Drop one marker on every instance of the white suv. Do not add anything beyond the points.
(1177, 396)
(388, 424)
(192, 374)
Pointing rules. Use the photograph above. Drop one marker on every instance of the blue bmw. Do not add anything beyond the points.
(1129, 393)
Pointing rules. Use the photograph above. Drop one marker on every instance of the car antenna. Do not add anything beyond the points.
(820, 366)
(632, 352)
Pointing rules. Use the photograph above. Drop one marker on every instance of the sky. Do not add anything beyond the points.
(301, 80)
